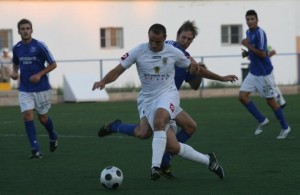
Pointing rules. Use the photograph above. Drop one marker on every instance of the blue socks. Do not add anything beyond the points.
(279, 115)
(127, 129)
(182, 137)
(31, 134)
(255, 112)
(260, 118)
(50, 129)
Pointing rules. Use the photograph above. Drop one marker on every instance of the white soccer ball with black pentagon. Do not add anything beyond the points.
(111, 177)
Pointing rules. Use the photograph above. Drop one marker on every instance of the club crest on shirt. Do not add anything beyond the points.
(165, 60)
(157, 69)
(33, 49)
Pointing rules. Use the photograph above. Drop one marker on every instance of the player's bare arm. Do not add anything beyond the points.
(193, 67)
(14, 75)
(257, 52)
(205, 73)
(110, 77)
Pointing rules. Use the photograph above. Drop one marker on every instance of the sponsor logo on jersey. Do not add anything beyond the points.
(156, 57)
(156, 76)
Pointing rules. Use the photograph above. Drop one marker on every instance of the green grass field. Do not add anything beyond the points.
(253, 164)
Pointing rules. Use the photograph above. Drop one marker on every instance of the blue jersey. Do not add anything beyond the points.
(31, 59)
(181, 74)
(259, 66)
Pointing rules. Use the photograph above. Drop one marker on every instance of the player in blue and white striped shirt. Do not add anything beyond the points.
(30, 56)
(260, 77)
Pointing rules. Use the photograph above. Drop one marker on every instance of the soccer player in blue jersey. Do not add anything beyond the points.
(185, 36)
(260, 77)
(29, 56)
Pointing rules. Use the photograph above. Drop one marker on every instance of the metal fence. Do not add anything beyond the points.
(286, 69)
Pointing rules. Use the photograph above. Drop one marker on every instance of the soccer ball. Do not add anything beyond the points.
(111, 177)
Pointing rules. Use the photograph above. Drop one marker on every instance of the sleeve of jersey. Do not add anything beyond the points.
(129, 58)
(15, 59)
(46, 52)
(189, 77)
(182, 60)
(260, 39)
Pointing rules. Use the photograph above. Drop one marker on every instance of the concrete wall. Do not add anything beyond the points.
(71, 31)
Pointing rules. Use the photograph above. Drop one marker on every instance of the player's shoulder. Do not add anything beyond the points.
(170, 42)
(39, 42)
(17, 45)
(172, 49)
(259, 30)
(142, 47)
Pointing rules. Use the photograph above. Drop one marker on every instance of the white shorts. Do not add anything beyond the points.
(264, 85)
(40, 101)
(169, 102)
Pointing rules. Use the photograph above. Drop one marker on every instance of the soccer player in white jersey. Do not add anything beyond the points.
(260, 78)
(29, 56)
(155, 62)
(185, 36)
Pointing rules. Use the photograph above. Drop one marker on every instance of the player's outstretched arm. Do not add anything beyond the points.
(205, 73)
(110, 77)
(231, 78)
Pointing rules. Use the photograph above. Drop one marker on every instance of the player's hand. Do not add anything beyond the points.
(35, 78)
(245, 42)
(231, 78)
(272, 53)
(244, 53)
(202, 64)
(99, 85)
(14, 75)
(194, 67)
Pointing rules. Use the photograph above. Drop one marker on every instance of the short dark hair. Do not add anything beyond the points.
(24, 21)
(188, 26)
(158, 29)
(251, 13)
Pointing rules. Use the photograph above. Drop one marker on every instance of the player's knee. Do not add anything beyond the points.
(159, 124)
(143, 134)
(27, 116)
(173, 149)
(43, 119)
(243, 98)
(191, 128)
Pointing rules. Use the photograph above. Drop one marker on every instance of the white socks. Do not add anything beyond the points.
(158, 147)
(189, 153)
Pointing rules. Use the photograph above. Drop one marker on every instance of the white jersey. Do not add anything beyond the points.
(156, 70)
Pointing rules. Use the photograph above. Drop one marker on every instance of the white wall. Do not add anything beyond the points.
(71, 30)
